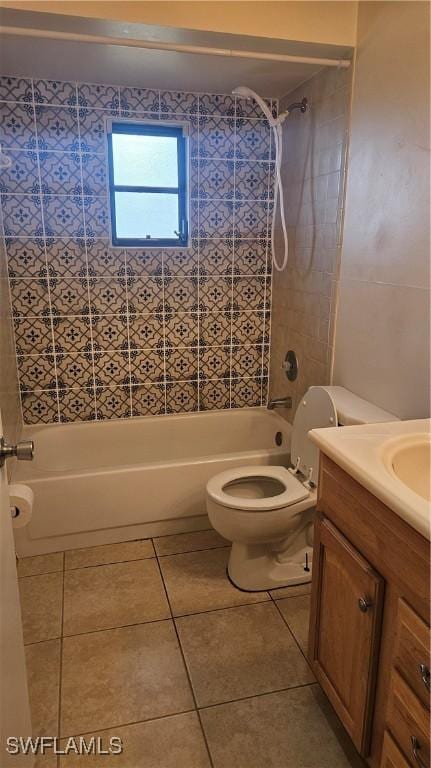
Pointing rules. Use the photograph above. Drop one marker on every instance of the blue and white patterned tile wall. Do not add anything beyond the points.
(103, 332)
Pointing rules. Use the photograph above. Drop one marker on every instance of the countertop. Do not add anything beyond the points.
(359, 451)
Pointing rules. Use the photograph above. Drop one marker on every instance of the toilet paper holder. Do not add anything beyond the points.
(21, 500)
(24, 450)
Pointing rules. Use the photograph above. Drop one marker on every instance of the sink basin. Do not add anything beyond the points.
(392, 460)
(408, 458)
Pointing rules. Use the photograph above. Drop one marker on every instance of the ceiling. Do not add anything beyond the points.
(118, 65)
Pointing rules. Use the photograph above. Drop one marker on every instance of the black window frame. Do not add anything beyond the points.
(147, 129)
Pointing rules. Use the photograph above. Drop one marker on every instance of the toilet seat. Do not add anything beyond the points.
(293, 492)
(316, 410)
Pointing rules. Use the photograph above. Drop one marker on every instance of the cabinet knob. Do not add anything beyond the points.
(364, 604)
(425, 675)
(416, 748)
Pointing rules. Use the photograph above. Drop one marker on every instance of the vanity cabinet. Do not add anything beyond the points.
(369, 634)
(346, 628)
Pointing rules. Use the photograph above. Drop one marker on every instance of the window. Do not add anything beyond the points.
(148, 185)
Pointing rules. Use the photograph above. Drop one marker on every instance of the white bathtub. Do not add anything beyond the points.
(101, 482)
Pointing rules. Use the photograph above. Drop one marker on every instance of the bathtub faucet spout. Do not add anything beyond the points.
(280, 402)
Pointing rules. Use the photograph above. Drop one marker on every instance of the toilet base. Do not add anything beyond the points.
(258, 567)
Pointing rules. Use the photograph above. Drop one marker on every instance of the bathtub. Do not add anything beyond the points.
(109, 481)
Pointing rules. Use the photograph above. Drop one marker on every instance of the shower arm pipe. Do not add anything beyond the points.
(157, 45)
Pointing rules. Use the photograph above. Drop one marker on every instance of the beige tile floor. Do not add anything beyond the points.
(149, 641)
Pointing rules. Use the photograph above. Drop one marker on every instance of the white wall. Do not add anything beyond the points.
(382, 330)
(303, 295)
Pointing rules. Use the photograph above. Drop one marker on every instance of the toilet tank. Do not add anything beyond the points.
(352, 409)
(327, 407)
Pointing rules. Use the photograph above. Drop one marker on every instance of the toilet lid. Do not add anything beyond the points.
(218, 489)
(316, 410)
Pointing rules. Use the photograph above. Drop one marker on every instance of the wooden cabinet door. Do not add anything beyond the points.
(391, 755)
(346, 609)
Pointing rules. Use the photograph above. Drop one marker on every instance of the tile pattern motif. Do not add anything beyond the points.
(104, 332)
(159, 683)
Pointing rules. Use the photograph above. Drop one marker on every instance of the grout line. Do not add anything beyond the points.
(204, 736)
(165, 589)
(223, 608)
(165, 389)
(287, 597)
(147, 415)
(127, 626)
(258, 695)
(198, 214)
(232, 279)
(147, 382)
(129, 357)
(123, 87)
(42, 573)
(104, 239)
(215, 277)
(130, 723)
(148, 315)
(111, 562)
(289, 628)
(119, 350)
(61, 656)
(151, 383)
(163, 295)
(111, 629)
(138, 114)
(84, 221)
(60, 195)
(11, 319)
(42, 213)
(192, 551)
(185, 664)
(268, 255)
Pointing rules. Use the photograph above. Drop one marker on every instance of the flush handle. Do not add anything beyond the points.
(24, 450)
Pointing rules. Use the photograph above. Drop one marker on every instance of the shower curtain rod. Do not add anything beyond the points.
(176, 47)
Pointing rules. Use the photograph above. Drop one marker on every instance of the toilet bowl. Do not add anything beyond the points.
(268, 512)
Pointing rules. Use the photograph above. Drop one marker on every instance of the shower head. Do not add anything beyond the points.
(247, 93)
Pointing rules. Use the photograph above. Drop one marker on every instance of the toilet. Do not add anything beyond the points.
(267, 512)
